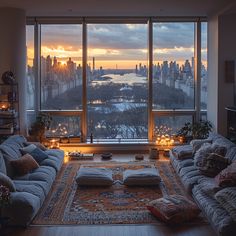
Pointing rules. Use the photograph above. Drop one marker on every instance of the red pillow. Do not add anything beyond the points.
(173, 209)
(227, 177)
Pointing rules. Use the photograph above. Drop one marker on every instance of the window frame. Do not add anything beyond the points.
(152, 113)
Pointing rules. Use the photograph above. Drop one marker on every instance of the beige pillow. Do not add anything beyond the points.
(25, 164)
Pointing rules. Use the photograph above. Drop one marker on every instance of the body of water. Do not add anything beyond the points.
(130, 79)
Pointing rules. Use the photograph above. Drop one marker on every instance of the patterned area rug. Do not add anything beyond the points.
(69, 204)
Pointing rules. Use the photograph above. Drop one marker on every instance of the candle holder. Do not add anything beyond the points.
(4, 107)
(54, 144)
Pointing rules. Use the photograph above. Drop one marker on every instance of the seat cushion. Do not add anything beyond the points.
(173, 209)
(145, 176)
(227, 199)
(43, 173)
(32, 188)
(218, 216)
(94, 176)
(54, 161)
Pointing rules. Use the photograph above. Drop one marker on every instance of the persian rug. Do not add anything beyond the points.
(69, 204)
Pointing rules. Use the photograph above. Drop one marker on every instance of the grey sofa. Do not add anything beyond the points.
(32, 188)
(204, 189)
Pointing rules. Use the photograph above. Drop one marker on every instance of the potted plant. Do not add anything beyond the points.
(41, 124)
(196, 130)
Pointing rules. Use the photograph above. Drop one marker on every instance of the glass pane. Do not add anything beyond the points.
(204, 66)
(117, 81)
(61, 67)
(64, 126)
(30, 78)
(170, 124)
(173, 56)
(30, 85)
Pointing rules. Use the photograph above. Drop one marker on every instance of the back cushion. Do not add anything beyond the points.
(19, 140)
(231, 154)
(2, 165)
(9, 153)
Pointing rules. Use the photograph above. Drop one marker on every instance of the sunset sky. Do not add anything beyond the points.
(121, 45)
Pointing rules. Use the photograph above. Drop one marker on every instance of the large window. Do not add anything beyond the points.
(61, 67)
(117, 81)
(95, 76)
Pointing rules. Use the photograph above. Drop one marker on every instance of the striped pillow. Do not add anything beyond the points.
(173, 209)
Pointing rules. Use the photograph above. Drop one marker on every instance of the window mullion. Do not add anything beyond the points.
(37, 71)
(84, 83)
(150, 75)
(197, 69)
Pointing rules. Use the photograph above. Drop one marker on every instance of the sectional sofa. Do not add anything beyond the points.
(31, 189)
(205, 190)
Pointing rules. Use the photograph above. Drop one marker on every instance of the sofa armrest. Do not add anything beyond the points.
(23, 203)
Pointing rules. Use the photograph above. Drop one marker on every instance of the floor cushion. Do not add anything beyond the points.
(173, 209)
(94, 176)
(145, 176)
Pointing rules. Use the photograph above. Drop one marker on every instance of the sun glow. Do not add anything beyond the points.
(63, 53)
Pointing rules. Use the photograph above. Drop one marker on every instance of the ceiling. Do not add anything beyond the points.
(122, 7)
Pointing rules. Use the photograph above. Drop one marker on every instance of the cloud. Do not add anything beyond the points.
(117, 41)
(118, 36)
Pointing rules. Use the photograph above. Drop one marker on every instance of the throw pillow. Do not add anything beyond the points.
(205, 150)
(7, 182)
(227, 177)
(37, 144)
(28, 149)
(212, 164)
(197, 143)
(173, 209)
(25, 164)
(35, 152)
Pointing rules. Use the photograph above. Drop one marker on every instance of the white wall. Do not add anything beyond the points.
(212, 87)
(13, 52)
(221, 47)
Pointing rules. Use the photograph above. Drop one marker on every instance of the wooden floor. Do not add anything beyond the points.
(113, 230)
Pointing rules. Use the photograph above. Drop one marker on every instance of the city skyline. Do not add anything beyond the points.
(118, 45)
